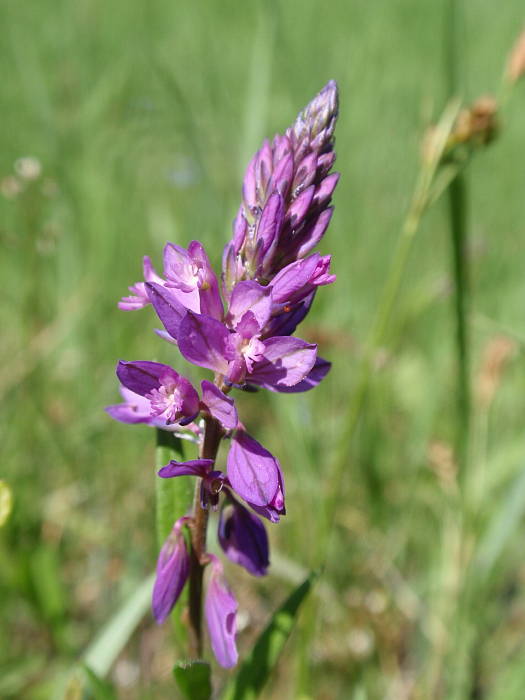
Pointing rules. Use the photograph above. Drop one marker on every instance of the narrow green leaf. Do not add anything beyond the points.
(173, 500)
(193, 679)
(97, 688)
(102, 653)
(6, 502)
(173, 496)
(502, 526)
(46, 578)
(257, 667)
(84, 684)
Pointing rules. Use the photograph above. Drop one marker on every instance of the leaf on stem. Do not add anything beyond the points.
(6, 502)
(193, 679)
(257, 667)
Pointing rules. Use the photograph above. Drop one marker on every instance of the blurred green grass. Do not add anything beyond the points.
(143, 117)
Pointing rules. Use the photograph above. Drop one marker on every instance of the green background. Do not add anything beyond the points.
(143, 116)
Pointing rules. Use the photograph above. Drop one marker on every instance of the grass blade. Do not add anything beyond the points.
(258, 666)
(102, 653)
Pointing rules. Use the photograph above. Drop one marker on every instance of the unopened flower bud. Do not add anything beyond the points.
(243, 538)
(221, 609)
(173, 568)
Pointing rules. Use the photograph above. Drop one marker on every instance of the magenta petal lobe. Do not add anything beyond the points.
(252, 471)
(173, 568)
(220, 406)
(287, 361)
(243, 538)
(221, 608)
(168, 307)
(194, 467)
(204, 341)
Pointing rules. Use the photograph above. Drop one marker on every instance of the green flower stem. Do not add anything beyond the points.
(457, 198)
(458, 206)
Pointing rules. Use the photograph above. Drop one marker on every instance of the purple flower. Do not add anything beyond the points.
(211, 484)
(299, 279)
(171, 396)
(173, 567)
(286, 195)
(137, 409)
(220, 608)
(139, 299)
(192, 278)
(237, 351)
(255, 474)
(312, 379)
(243, 538)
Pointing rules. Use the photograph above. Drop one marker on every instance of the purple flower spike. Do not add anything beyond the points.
(253, 472)
(170, 394)
(221, 607)
(173, 568)
(286, 195)
(243, 538)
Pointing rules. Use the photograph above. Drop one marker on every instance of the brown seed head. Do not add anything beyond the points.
(516, 63)
(476, 125)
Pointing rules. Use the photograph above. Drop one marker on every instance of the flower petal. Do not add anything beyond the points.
(286, 362)
(287, 321)
(130, 413)
(253, 472)
(312, 379)
(210, 302)
(269, 226)
(204, 341)
(220, 406)
(142, 377)
(220, 608)
(194, 467)
(173, 568)
(250, 296)
(168, 307)
(243, 538)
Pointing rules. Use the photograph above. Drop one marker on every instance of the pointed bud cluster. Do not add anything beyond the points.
(286, 195)
(270, 278)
